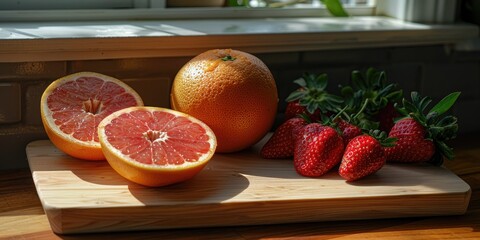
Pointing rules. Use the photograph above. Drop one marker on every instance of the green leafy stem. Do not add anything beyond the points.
(335, 7)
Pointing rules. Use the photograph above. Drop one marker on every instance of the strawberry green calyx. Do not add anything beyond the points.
(358, 117)
(373, 86)
(382, 138)
(313, 95)
(438, 128)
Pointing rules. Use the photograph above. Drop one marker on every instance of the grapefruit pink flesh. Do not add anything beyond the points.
(78, 106)
(72, 107)
(158, 138)
(156, 146)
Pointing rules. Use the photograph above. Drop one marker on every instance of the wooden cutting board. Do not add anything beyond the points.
(234, 189)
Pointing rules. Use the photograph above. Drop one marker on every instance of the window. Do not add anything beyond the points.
(122, 4)
(32, 30)
(51, 10)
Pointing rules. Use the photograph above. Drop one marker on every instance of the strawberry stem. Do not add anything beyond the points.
(340, 112)
(364, 106)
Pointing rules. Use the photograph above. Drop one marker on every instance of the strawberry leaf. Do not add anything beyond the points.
(305, 117)
(386, 90)
(311, 107)
(357, 80)
(445, 129)
(403, 112)
(409, 107)
(446, 103)
(301, 82)
(374, 77)
(325, 120)
(447, 120)
(423, 104)
(389, 142)
(382, 78)
(322, 81)
(295, 95)
(347, 91)
(445, 150)
(395, 95)
(335, 98)
(315, 105)
(415, 97)
(383, 102)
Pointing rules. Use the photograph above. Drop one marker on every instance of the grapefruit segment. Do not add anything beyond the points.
(155, 146)
(72, 107)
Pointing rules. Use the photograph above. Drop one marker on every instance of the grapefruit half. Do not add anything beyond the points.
(155, 146)
(72, 107)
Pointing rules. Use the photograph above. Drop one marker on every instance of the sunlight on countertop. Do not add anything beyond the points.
(200, 27)
(75, 40)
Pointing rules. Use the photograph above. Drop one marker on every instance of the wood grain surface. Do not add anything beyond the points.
(234, 189)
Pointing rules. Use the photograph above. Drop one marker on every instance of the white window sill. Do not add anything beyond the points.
(54, 41)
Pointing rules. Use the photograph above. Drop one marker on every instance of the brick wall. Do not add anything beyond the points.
(432, 70)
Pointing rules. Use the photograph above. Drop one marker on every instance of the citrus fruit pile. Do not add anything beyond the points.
(221, 96)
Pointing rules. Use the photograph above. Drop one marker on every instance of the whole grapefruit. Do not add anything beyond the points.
(232, 91)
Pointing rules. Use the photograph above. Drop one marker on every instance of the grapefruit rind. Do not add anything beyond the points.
(87, 150)
(232, 91)
(150, 174)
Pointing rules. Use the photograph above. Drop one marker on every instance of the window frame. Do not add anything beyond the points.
(427, 11)
(17, 44)
(157, 10)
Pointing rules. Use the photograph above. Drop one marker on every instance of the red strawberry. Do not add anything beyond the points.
(364, 155)
(411, 144)
(294, 109)
(281, 143)
(422, 134)
(349, 131)
(318, 149)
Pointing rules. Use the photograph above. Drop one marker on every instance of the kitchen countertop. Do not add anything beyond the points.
(90, 40)
(22, 216)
